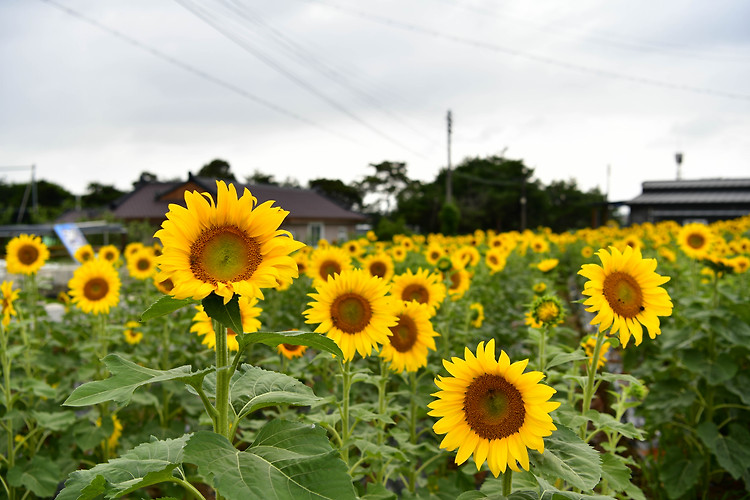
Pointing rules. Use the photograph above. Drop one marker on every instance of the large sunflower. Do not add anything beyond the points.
(227, 247)
(410, 338)
(95, 287)
(8, 297)
(695, 240)
(203, 325)
(353, 310)
(423, 287)
(327, 261)
(625, 293)
(25, 254)
(491, 409)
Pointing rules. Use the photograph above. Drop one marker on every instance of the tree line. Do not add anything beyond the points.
(492, 192)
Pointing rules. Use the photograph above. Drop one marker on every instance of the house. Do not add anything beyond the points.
(311, 217)
(695, 200)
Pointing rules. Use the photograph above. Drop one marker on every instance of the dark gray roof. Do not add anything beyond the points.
(698, 213)
(697, 184)
(697, 197)
(303, 204)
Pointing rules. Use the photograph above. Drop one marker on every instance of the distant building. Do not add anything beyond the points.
(311, 217)
(698, 200)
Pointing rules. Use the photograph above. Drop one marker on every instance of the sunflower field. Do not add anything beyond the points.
(230, 361)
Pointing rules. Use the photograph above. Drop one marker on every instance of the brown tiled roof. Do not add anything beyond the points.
(151, 201)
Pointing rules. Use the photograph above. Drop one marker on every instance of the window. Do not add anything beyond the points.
(343, 234)
(315, 232)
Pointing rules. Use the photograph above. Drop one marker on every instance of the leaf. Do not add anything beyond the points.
(126, 378)
(256, 388)
(549, 492)
(615, 472)
(54, 421)
(227, 314)
(678, 474)
(164, 306)
(145, 465)
(40, 475)
(293, 337)
(738, 386)
(294, 460)
(567, 457)
(376, 491)
(605, 421)
(565, 357)
(732, 451)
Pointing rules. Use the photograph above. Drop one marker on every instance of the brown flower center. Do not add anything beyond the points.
(143, 264)
(415, 292)
(224, 254)
(28, 254)
(493, 407)
(378, 269)
(167, 285)
(291, 347)
(696, 240)
(404, 335)
(624, 294)
(351, 313)
(95, 289)
(329, 268)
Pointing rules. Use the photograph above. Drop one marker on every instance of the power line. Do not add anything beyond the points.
(197, 72)
(287, 73)
(530, 56)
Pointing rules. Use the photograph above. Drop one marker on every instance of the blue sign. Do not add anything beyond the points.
(71, 236)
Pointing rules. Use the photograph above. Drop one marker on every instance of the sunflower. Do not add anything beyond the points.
(25, 254)
(290, 351)
(547, 265)
(142, 263)
(468, 255)
(352, 308)
(625, 293)
(95, 287)
(8, 297)
(84, 253)
(547, 310)
(301, 259)
(530, 321)
(410, 339)
(539, 287)
(163, 284)
(433, 253)
(371, 236)
(132, 335)
(423, 287)
(114, 438)
(399, 253)
(327, 261)
(587, 252)
(460, 280)
(231, 246)
(380, 265)
(539, 244)
(491, 409)
(354, 248)
(110, 253)
(589, 345)
(132, 248)
(695, 239)
(495, 259)
(203, 325)
(477, 316)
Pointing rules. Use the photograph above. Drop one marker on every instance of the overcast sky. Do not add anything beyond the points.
(99, 91)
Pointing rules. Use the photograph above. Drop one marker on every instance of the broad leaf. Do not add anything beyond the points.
(286, 460)
(567, 457)
(293, 337)
(164, 306)
(565, 357)
(732, 451)
(145, 465)
(227, 314)
(40, 476)
(54, 421)
(549, 492)
(126, 378)
(678, 473)
(615, 472)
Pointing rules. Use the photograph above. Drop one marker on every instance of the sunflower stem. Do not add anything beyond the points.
(588, 391)
(8, 405)
(382, 402)
(413, 426)
(222, 380)
(507, 482)
(542, 343)
(345, 428)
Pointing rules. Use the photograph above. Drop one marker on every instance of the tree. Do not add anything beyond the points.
(259, 177)
(218, 169)
(349, 197)
(145, 178)
(99, 195)
(385, 185)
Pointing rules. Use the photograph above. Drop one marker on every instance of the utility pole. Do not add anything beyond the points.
(30, 190)
(523, 199)
(448, 177)
(678, 158)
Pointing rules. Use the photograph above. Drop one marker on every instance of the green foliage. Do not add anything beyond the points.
(218, 169)
(450, 216)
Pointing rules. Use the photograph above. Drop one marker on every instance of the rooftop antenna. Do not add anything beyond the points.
(678, 158)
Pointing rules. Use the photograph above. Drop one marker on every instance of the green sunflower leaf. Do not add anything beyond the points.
(227, 314)
(145, 465)
(292, 337)
(568, 457)
(732, 451)
(164, 306)
(615, 472)
(126, 378)
(40, 475)
(295, 460)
